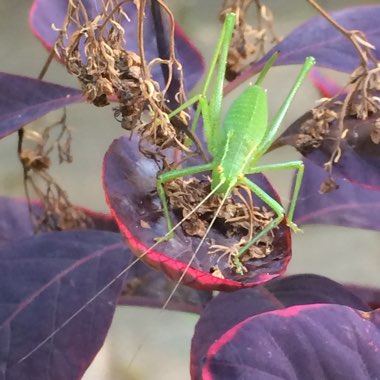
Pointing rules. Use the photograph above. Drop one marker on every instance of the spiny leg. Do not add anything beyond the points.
(276, 207)
(211, 112)
(170, 176)
(221, 55)
(299, 166)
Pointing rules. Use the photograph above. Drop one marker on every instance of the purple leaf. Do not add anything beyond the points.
(150, 288)
(318, 38)
(44, 13)
(349, 205)
(145, 287)
(330, 48)
(326, 86)
(15, 222)
(23, 100)
(44, 281)
(59, 292)
(129, 182)
(314, 342)
(369, 295)
(228, 310)
(359, 161)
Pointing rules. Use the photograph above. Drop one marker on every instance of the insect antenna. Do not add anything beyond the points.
(266, 68)
(228, 192)
(126, 269)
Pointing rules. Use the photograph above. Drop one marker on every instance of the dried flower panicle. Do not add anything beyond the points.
(327, 186)
(248, 42)
(364, 100)
(360, 101)
(375, 133)
(35, 155)
(94, 50)
(313, 131)
(59, 214)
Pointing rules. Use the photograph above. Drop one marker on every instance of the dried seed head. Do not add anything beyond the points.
(95, 52)
(328, 186)
(248, 42)
(313, 131)
(375, 133)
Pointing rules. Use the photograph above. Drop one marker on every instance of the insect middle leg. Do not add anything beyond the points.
(299, 166)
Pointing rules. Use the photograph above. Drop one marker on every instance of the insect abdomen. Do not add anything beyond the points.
(245, 127)
(248, 117)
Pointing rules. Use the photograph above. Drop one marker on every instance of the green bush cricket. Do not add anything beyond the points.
(238, 145)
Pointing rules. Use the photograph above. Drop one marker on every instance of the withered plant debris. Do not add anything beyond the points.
(35, 155)
(327, 186)
(360, 100)
(94, 50)
(313, 131)
(238, 218)
(249, 42)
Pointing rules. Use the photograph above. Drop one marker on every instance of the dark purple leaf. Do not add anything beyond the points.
(15, 222)
(349, 205)
(300, 342)
(369, 295)
(318, 38)
(44, 13)
(330, 48)
(150, 288)
(144, 287)
(23, 100)
(327, 86)
(227, 310)
(59, 292)
(359, 161)
(130, 185)
(100, 221)
(44, 281)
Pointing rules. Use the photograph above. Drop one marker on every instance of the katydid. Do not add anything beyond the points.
(244, 138)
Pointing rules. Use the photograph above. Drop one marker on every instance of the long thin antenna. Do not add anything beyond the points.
(125, 270)
(186, 269)
(198, 248)
(266, 68)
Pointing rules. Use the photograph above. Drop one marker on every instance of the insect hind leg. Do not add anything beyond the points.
(299, 166)
(276, 207)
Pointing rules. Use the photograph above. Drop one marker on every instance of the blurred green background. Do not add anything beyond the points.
(158, 343)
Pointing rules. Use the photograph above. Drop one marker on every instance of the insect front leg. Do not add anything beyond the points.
(202, 109)
(276, 207)
(211, 110)
(170, 176)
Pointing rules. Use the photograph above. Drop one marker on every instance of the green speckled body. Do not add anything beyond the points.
(244, 128)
